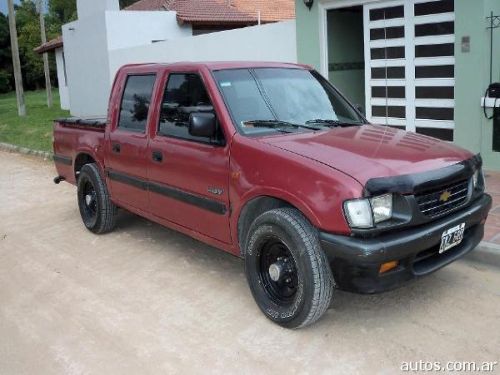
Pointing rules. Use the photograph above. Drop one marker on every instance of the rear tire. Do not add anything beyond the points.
(287, 271)
(96, 209)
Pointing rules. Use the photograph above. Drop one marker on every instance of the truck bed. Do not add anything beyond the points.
(76, 139)
(95, 123)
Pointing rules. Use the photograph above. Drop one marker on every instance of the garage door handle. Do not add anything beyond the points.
(157, 156)
(117, 148)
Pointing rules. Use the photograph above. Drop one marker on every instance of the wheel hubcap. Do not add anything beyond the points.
(278, 272)
(275, 271)
(88, 199)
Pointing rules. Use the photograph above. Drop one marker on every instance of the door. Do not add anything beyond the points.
(409, 65)
(188, 175)
(128, 141)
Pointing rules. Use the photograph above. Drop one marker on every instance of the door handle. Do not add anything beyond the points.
(157, 156)
(116, 148)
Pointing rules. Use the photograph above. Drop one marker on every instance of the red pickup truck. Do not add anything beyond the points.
(271, 163)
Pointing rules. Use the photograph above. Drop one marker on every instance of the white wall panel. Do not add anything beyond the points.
(130, 29)
(61, 80)
(87, 65)
(271, 42)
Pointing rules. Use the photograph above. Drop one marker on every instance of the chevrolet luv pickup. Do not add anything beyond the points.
(269, 162)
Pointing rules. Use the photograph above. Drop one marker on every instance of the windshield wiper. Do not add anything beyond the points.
(277, 124)
(332, 123)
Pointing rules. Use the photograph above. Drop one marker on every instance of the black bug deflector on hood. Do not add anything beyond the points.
(417, 183)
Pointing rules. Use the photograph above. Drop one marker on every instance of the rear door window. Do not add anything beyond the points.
(134, 109)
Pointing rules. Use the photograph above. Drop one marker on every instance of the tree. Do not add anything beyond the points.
(28, 29)
(46, 68)
(6, 76)
(18, 78)
(28, 26)
(5, 82)
(61, 12)
(5, 57)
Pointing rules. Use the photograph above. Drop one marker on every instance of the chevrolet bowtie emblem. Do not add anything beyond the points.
(445, 195)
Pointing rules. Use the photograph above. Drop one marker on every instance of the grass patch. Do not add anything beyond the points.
(35, 130)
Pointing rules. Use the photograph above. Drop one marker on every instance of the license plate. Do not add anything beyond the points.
(452, 237)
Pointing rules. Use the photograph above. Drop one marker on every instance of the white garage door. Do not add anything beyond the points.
(409, 69)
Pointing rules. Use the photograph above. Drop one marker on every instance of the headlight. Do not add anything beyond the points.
(364, 213)
(359, 213)
(382, 208)
(478, 180)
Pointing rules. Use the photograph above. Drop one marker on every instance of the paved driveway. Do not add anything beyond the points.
(147, 300)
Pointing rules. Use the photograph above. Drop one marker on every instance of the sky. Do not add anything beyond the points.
(3, 5)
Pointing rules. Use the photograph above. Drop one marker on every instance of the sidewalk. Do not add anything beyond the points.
(492, 229)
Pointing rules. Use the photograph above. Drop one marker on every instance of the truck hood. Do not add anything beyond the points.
(370, 151)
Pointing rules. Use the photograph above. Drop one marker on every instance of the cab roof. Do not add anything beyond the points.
(220, 65)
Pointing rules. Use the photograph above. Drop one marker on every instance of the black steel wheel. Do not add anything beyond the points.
(287, 271)
(96, 209)
(278, 272)
(89, 198)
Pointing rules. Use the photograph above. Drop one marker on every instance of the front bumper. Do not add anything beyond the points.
(356, 261)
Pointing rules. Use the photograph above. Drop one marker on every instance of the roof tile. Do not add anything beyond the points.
(50, 45)
(147, 5)
(222, 11)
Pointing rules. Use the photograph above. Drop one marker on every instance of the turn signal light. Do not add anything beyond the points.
(385, 267)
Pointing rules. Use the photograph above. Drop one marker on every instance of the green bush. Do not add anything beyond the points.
(4, 82)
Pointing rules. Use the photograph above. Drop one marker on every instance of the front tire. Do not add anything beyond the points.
(287, 271)
(96, 209)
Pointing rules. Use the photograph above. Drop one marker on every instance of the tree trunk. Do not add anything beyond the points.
(18, 78)
(48, 85)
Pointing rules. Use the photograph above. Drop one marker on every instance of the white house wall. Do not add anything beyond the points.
(87, 65)
(129, 29)
(61, 80)
(271, 42)
(93, 56)
(87, 45)
(88, 8)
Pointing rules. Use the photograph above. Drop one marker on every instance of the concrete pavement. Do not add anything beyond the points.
(147, 300)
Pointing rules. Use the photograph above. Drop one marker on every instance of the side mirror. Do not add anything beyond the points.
(202, 125)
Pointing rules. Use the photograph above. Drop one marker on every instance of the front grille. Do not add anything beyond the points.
(432, 203)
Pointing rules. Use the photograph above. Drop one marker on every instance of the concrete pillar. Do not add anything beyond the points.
(88, 8)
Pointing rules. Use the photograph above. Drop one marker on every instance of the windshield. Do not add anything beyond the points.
(261, 100)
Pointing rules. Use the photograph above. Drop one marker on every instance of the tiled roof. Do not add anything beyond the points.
(50, 45)
(270, 10)
(222, 12)
(209, 11)
(147, 5)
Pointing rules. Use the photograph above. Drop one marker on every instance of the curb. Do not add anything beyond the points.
(26, 151)
(486, 253)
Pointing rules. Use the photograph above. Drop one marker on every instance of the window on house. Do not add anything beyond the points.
(136, 99)
(185, 94)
